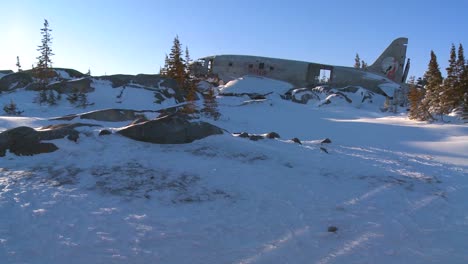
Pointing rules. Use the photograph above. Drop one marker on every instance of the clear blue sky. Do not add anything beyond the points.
(124, 36)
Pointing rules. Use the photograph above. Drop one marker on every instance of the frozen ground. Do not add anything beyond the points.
(396, 189)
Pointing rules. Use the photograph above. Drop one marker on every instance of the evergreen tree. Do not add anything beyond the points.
(462, 73)
(357, 61)
(163, 70)
(176, 64)
(447, 95)
(210, 106)
(18, 64)
(190, 86)
(363, 65)
(43, 69)
(433, 86)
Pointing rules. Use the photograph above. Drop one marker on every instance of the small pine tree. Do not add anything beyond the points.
(18, 64)
(357, 61)
(434, 86)
(12, 109)
(210, 106)
(363, 65)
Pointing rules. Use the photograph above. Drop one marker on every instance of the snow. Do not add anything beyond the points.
(396, 189)
(63, 74)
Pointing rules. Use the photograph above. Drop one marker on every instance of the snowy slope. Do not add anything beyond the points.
(396, 190)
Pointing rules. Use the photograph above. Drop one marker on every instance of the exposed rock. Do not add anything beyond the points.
(23, 141)
(296, 140)
(255, 137)
(61, 130)
(272, 135)
(172, 129)
(15, 81)
(105, 132)
(303, 95)
(243, 135)
(82, 85)
(332, 229)
(73, 137)
(326, 141)
(33, 149)
(324, 149)
(110, 115)
(139, 119)
(6, 71)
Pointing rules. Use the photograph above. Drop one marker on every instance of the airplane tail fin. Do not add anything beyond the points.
(392, 61)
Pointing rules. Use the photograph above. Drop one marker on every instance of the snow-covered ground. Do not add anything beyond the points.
(395, 189)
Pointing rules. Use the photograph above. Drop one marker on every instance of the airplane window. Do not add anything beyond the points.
(261, 66)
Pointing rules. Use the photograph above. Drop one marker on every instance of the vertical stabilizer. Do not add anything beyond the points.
(391, 62)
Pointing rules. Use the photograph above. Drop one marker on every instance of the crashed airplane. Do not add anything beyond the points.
(385, 75)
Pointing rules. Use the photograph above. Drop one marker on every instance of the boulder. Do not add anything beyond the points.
(255, 137)
(272, 135)
(326, 141)
(243, 135)
(15, 81)
(172, 129)
(23, 141)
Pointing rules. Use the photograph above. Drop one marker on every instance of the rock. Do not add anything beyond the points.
(332, 229)
(111, 115)
(324, 149)
(326, 141)
(272, 135)
(82, 85)
(33, 149)
(61, 130)
(296, 140)
(244, 135)
(255, 137)
(15, 81)
(73, 137)
(172, 129)
(23, 141)
(139, 119)
(6, 72)
(303, 95)
(105, 132)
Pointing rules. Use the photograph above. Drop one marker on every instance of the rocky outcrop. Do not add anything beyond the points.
(111, 115)
(28, 141)
(82, 85)
(23, 141)
(173, 129)
(15, 81)
(154, 82)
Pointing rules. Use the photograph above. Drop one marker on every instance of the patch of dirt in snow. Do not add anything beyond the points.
(134, 180)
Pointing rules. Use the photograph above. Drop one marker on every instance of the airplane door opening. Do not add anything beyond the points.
(325, 75)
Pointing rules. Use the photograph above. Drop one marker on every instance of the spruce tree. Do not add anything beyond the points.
(357, 61)
(447, 95)
(176, 64)
(462, 74)
(433, 86)
(363, 65)
(210, 106)
(43, 70)
(189, 86)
